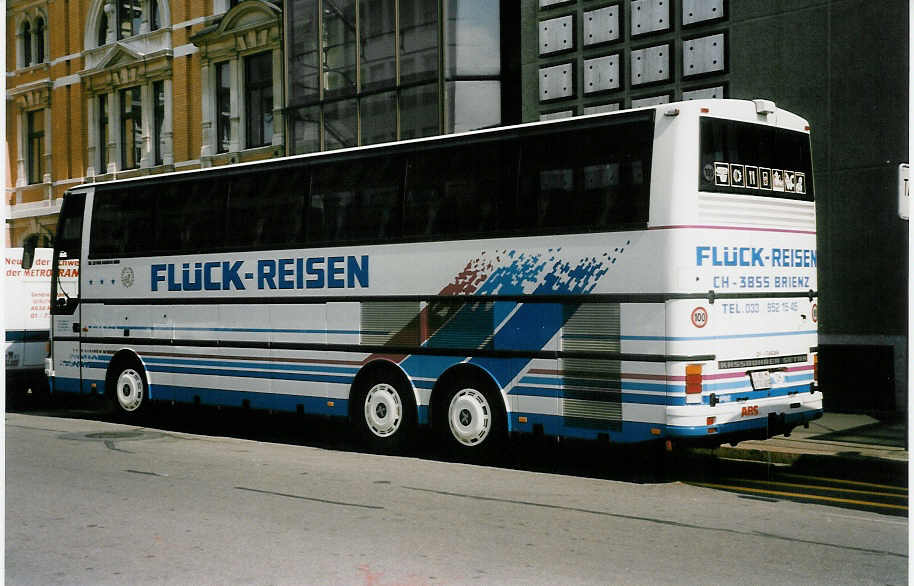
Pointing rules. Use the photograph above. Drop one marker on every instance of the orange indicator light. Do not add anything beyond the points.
(693, 379)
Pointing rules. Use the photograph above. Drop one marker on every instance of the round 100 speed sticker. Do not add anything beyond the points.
(699, 317)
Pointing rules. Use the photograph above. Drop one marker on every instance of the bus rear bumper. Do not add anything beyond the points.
(736, 421)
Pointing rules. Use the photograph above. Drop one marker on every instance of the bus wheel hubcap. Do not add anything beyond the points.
(383, 410)
(129, 390)
(470, 417)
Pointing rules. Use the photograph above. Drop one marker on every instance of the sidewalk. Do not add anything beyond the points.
(836, 435)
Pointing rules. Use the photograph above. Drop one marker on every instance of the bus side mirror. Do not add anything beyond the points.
(28, 254)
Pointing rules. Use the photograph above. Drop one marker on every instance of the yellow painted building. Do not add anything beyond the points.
(105, 89)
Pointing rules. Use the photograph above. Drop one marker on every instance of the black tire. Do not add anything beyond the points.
(383, 411)
(470, 418)
(128, 389)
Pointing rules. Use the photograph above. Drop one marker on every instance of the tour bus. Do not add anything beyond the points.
(637, 276)
(26, 317)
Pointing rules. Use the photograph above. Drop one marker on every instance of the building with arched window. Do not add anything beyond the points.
(104, 89)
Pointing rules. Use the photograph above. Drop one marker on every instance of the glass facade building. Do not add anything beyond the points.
(368, 71)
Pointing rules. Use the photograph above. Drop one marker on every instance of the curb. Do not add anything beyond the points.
(845, 464)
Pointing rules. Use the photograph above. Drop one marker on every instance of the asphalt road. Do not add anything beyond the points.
(92, 502)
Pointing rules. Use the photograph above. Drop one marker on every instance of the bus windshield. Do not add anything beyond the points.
(754, 159)
(67, 249)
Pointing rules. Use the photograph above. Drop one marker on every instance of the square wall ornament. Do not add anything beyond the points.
(557, 34)
(701, 11)
(602, 25)
(601, 74)
(703, 55)
(651, 101)
(557, 82)
(600, 108)
(650, 16)
(704, 93)
(650, 65)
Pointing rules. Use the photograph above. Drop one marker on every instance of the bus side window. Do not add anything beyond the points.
(138, 219)
(548, 180)
(290, 207)
(191, 216)
(244, 221)
(424, 194)
(454, 191)
(266, 208)
(122, 223)
(107, 227)
(379, 215)
(332, 194)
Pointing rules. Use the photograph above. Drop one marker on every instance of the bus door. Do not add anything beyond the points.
(66, 329)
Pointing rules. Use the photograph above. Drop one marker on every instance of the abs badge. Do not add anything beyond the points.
(127, 277)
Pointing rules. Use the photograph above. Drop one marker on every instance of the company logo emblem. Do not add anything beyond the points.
(127, 277)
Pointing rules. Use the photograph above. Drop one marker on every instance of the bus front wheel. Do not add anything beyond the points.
(129, 391)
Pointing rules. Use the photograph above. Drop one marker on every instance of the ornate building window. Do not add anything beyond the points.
(128, 82)
(31, 38)
(27, 43)
(122, 19)
(158, 92)
(131, 128)
(35, 140)
(223, 106)
(31, 104)
(258, 99)
(103, 132)
(241, 57)
(39, 40)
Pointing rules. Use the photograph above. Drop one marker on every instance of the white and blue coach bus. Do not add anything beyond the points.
(642, 275)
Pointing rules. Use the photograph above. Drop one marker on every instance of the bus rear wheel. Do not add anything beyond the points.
(383, 410)
(129, 392)
(471, 419)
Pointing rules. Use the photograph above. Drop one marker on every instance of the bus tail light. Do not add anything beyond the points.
(815, 369)
(693, 379)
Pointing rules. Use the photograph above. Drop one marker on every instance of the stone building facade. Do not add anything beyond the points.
(104, 89)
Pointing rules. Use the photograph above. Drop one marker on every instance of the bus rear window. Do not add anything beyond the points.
(754, 159)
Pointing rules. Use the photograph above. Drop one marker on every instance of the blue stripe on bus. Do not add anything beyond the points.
(428, 366)
(237, 330)
(664, 399)
(686, 338)
(252, 365)
(754, 424)
(531, 326)
(639, 431)
(65, 385)
(251, 374)
(274, 401)
(555, 425)
(632, 398)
